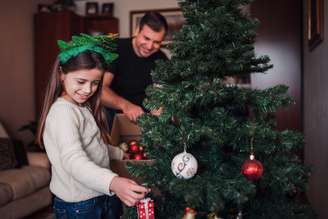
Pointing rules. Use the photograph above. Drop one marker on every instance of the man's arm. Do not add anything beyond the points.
(110, 99)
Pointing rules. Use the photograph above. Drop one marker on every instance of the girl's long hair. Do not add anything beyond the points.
(85, 60)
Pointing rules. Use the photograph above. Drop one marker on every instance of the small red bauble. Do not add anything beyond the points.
(252, 169)
(141, 147)
(133, 142)
(134, 148)
(138, 157)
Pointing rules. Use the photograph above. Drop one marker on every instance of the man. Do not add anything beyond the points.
(124, 86)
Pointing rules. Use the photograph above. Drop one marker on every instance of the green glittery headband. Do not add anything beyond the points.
(102, 45)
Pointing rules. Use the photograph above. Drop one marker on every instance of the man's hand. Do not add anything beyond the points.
(132, 111)
(127, 190)
(111, 99)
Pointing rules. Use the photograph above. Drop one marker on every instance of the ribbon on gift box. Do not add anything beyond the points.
(145, 208)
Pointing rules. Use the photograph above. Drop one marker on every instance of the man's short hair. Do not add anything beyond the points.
(154, 20)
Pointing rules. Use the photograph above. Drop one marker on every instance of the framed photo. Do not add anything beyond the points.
(107, 9)
(314, 22)
(174, 18)
(43, 8)
(91, 8)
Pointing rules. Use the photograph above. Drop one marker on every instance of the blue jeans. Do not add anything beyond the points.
(96, 208)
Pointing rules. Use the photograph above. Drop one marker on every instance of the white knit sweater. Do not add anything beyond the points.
(79, 157)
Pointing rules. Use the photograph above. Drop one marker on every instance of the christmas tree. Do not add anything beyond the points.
(220, 124)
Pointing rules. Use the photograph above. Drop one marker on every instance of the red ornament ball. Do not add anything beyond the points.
(134, 148)
(133, 142)
(138, 157)
(141, 147)
(252, 169)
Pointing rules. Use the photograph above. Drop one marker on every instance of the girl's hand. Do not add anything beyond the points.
(157, 112)
(127, 190)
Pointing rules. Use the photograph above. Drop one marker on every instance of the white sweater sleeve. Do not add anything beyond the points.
(64, 126)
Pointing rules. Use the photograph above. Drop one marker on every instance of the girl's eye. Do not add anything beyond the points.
(80, 82)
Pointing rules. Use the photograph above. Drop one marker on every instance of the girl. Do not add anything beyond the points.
(73, 131)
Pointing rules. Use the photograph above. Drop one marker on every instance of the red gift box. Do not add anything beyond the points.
(145, 208)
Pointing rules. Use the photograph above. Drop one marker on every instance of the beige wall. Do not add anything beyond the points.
(316, 118)
(16, 63)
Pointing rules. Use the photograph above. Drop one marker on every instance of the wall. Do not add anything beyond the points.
(16, 64)
(122, 10)
(278, 36)
(316, 117)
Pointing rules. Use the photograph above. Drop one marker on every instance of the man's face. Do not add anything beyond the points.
(147, 41)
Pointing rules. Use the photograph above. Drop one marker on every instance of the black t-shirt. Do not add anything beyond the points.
(132, 73)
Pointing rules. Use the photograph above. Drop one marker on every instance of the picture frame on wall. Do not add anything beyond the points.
(315, 27)
(107, 9)
(43, 8)
(91, 8)
(174, 18)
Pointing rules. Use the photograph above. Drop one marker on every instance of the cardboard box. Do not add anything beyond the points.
(123, 130)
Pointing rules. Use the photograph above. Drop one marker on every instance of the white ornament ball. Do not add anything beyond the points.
(184, 165)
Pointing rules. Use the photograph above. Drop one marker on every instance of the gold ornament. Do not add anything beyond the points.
(213, 216)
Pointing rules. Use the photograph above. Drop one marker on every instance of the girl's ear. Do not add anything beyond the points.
(62, 76)
(61, 73)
